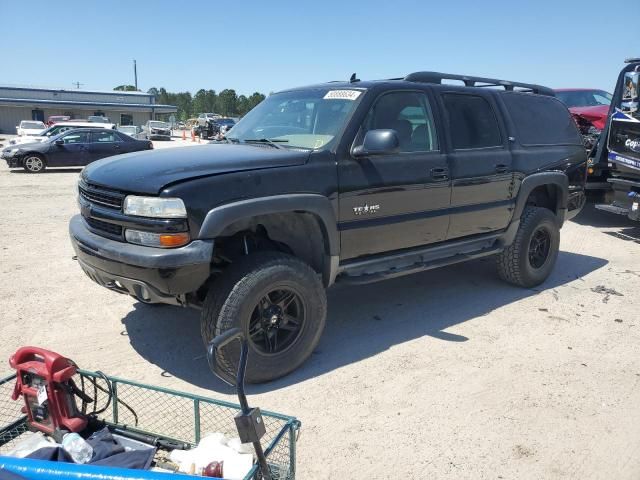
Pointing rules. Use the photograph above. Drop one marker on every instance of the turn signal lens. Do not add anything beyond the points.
(174, 239)
(590, 170)
(162, 240)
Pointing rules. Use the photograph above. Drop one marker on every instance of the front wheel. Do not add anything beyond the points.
(33, 163)
(531, 257)
(279, 303)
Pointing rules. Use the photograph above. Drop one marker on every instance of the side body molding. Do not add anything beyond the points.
(222, 216)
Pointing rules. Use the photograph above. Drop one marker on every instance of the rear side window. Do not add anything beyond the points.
(541, 120)
(471, 122)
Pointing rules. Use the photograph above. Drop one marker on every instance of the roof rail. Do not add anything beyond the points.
(632, 60)
(469, 81)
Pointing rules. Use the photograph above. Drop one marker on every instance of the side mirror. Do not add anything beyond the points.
(59, 142)
(377, 142)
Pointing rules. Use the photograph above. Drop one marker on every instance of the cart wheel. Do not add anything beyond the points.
(279, 303)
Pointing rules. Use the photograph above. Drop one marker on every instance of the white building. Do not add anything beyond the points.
(124, 108)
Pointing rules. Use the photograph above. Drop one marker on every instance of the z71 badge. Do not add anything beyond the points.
(366, 209)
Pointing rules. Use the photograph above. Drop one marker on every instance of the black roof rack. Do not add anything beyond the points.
(469, 81)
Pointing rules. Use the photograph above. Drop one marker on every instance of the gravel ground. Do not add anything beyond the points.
(444, 374)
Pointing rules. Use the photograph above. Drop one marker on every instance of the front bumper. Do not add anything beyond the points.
(13, 161)
(153, 275)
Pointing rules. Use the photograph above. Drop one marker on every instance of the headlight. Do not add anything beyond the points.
(156, 207)
(11, 151)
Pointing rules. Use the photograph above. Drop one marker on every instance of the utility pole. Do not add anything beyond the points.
(135, 73)
(77, 84)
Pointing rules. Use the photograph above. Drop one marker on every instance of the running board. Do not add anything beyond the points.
(613, 209)
(413, 261)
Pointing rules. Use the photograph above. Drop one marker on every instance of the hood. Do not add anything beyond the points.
(21, 140)
(596, 115)
(150, 171)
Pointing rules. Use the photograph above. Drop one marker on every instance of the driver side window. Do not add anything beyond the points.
(409, 115)
(77, 137)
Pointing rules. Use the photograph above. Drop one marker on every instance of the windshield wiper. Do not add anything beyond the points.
(273, 142)
(232, 139)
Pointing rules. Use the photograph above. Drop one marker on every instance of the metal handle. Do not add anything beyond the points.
(221, 341)
(440, 173)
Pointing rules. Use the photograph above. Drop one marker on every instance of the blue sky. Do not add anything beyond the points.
(268, 46)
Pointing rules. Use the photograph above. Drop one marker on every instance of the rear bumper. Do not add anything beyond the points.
(150, 274)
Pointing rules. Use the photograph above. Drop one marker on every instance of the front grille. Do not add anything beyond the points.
(106, 227)
(103, 197)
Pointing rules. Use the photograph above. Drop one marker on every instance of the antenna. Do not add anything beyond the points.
(353, 78)
(77, 84)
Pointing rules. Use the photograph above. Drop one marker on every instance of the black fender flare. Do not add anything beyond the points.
(220, 217)
(558, 179)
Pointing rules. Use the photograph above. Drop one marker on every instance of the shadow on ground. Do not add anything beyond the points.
(362, 320)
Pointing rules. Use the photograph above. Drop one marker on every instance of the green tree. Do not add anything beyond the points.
(210, 101)
(126, 88)
(227, 102)
(243, 105)
(153, 91)
(255, 99)
(200, 101)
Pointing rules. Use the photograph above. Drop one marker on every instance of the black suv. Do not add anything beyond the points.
(340, 182)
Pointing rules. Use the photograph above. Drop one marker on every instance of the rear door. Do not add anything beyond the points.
(105, 144)
(400, 200)
(73, 152)
(481, 164)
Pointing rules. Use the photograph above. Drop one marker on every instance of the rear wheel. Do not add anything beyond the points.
(279, 303)
(33, 163)
(531, 257)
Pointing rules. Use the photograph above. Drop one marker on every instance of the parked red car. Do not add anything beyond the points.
(590, 109)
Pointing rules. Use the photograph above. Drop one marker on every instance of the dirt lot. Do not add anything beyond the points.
(445, 374)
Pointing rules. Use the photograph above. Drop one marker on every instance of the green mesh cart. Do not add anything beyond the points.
(172, 416)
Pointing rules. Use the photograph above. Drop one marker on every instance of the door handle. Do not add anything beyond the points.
(502, 168)
(440, 173)
(117, 147)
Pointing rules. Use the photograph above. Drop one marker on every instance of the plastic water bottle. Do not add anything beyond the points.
(77, 447)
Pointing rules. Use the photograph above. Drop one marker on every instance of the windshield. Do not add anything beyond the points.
(33, 125)
(584, 98)
(308, 119)
(158, 125)
(127, 129)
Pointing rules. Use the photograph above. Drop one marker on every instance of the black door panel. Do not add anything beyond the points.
(398, 200)
(481, 165)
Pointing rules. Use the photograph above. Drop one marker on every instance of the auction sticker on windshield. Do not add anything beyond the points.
(342, 94)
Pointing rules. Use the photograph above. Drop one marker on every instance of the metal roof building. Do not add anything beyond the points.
(124, 108)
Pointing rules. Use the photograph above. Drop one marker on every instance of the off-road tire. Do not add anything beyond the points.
(514, 265)
(30, 165)
(233, 297)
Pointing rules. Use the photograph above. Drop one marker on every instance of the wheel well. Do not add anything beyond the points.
(297, 233)
(545, 196)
